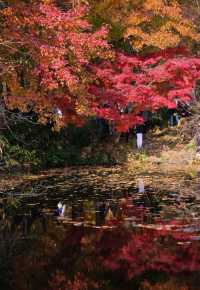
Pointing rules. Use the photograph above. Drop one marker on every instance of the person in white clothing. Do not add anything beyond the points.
(139, 140)
(139, 136)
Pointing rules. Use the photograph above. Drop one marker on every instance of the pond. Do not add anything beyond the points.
(119, 231)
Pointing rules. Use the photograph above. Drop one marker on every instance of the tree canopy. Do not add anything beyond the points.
(66, 70)
(147, 23)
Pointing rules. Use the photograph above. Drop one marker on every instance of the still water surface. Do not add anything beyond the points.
(135, 232)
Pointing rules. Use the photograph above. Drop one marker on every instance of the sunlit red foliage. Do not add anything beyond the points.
(61, 63)
(145, 83)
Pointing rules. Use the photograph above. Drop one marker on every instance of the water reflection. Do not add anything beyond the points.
(138, 206)
(140, 185)
(104, 258)
(107, 240)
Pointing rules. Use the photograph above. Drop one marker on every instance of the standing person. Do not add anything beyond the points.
(177, 119)
(139, 136)
(173, 118)
(139, 140)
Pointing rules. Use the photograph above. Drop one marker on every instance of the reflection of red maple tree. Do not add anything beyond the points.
(127, 254)
(83, 258)
(160, 251)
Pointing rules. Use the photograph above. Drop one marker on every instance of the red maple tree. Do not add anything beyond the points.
(61, 63)
(143, 84)
(51, 49)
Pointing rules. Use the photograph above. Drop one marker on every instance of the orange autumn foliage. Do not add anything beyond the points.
(160, 25)
(49, 50)
(65, 69)
(149, 23)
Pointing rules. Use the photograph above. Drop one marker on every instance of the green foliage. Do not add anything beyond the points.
(17, 157)
(31, 147)
(60, 157)
(99, 158)
(3, 141)
(20, 154)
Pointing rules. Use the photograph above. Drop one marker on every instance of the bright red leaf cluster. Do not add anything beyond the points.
(143, 84)
(63, 64)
